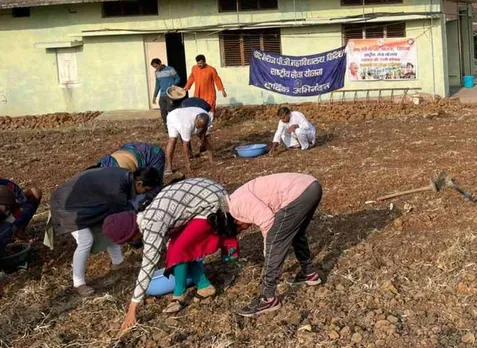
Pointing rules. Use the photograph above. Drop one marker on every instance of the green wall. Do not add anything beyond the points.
(112, 68)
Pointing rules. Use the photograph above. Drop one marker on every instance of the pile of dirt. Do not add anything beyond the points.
(56, 120)
(347, 111)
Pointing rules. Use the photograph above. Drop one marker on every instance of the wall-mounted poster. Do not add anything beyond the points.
(382, 59)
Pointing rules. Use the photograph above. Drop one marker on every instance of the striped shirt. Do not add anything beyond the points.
(172, 208)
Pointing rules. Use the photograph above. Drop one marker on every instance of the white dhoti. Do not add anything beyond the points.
(300, 137)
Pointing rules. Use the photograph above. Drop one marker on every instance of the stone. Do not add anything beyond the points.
(381, 324)
(388, 286)
(380, 343)
(306, 327)
(356, 338)
(333, 335)
(392, 319)
(171, 322)
(468, 338)
(345, 332)
(398, 223)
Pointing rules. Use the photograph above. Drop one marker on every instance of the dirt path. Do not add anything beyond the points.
(400, 277)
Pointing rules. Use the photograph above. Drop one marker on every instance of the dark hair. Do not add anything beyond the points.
(199, 58)
(223, 224)
(148, 176)
(409, 65)
(97, 165)
(283, 111)
(156, 61)
(204, 118)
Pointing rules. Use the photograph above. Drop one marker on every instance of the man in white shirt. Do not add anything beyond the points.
(294, 130)
(185, 123)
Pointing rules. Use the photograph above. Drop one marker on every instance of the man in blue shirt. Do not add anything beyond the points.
(166, 76)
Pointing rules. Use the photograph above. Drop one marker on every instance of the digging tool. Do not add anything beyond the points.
(442, 182)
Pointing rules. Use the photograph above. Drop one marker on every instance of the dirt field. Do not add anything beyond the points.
(400, 275)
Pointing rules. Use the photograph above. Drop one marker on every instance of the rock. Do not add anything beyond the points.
(345, 332)
(398, 223)
(333, 335)
(388, 286)
(380, 343)
(171, 322)
(295, 319)
(392, 319)
(306, 327)
(468, 338)
(356, 338)
(381, 324)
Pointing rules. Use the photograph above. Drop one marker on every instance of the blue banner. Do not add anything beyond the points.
(298, 76)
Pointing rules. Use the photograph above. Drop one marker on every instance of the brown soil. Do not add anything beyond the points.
(400, 275)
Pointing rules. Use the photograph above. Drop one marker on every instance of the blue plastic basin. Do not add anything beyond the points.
(253, 150)
(161, 285)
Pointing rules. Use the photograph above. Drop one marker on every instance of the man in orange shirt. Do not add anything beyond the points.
(205, 78)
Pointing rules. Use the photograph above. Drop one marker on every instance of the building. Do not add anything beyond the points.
(76, 55)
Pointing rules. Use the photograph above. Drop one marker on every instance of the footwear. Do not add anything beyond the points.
(176, 304)
(260, 305)
(204, 293)
(84, 290)
(310, 279)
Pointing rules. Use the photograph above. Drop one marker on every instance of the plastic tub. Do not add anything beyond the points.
(468, 81)
(161, 285)
(253, 150)
(17, 255)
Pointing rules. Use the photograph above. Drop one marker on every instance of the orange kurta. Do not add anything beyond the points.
(205, 81)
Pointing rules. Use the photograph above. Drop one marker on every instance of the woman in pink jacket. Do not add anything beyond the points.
(282, 205)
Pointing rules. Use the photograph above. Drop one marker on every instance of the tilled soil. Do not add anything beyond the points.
(395, 275)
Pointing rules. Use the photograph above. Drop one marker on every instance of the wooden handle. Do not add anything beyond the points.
(397, 194)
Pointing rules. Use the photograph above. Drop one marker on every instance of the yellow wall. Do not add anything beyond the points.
(112, 69)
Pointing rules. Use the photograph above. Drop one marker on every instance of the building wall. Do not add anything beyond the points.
(112, 68)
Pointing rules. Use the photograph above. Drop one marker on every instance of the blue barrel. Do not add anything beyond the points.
(469, 81)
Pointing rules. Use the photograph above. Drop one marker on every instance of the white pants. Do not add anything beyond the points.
(84, 240)
(299, 137)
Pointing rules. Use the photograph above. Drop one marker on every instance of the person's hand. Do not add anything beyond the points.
(130, 319)
(224, 93)
(154, 101)
(186, 89)
(292, 128)
(272, 149)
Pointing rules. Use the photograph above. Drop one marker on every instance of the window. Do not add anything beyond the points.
(237, 46)
(21, 12)
(373, 30)
(130, 8)
(369, 2)
(67, 66)
(247, 5)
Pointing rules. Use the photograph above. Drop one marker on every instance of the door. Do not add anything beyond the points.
(155, 47)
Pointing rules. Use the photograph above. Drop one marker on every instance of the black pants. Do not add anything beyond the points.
(289, 229)
(164, 105)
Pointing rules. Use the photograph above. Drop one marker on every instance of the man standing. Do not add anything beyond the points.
(185, 123)
(166, 76)
(205, 78)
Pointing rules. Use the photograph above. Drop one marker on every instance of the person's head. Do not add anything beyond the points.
(7, 200)
(200, 59)
(409, 68)
(156, 63)
(284, 114)
(122, 227)
(145, 179)
(223, 224)
(353, 68)
(241, 226)
(202, 121)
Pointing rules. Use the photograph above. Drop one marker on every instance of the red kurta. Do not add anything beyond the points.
(205, 80)
(195, 241)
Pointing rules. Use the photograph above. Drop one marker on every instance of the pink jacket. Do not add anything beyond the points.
(259, 200)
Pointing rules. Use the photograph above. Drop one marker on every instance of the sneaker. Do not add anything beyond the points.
(260, 305)
(310, 279)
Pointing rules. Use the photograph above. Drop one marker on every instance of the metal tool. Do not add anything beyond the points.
(442, 182)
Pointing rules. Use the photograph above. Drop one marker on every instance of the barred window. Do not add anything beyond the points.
(373, 30)
(236, 46)
(247, 5)
(130, 8)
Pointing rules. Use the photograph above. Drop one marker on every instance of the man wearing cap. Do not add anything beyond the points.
(84, 201)
(170, 210)
(166, 76)
(17, 208)
(185, 123)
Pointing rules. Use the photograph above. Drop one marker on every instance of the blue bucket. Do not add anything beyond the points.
(468, 81)
(253, 150)
(161, 285)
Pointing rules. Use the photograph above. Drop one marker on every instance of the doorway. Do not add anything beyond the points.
(176, 55)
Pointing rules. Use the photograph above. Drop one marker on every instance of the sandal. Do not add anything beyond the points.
(84, 290)
(174, 306)
(205, 293)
